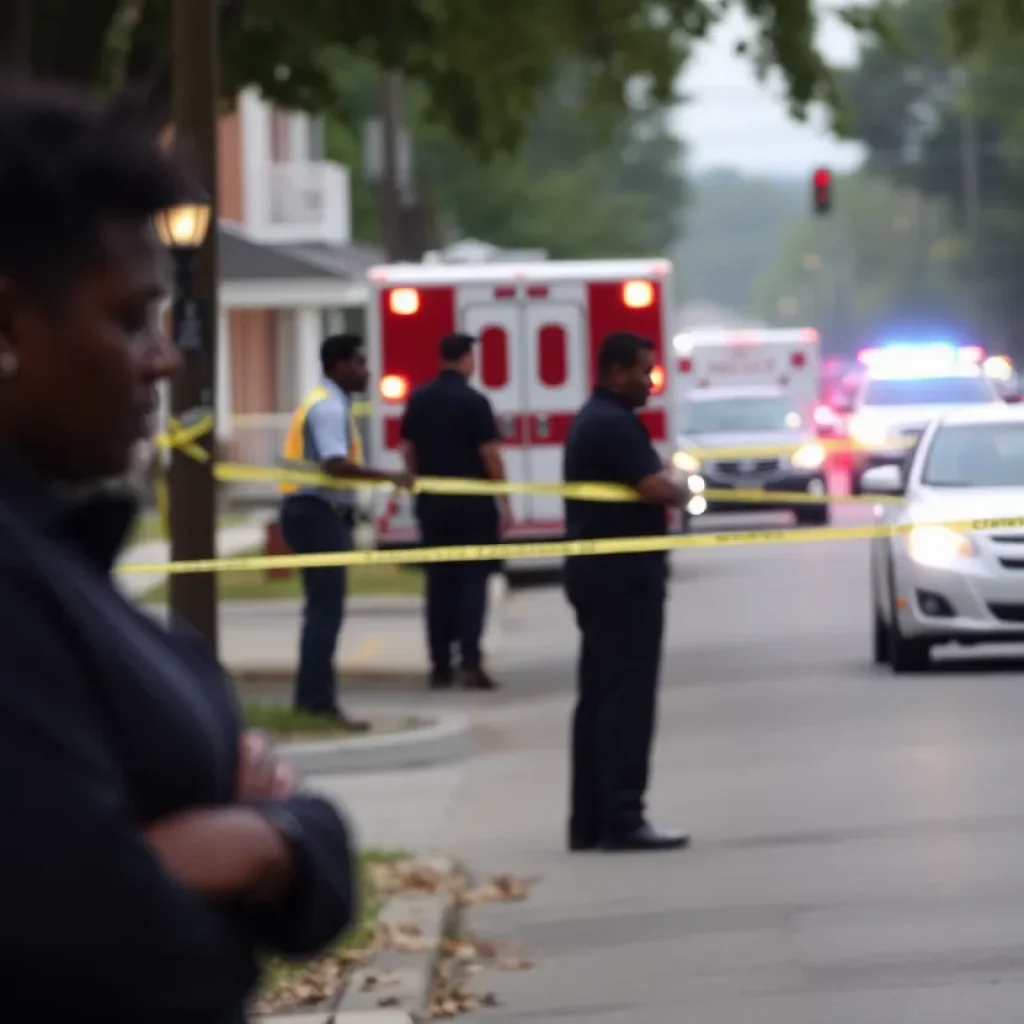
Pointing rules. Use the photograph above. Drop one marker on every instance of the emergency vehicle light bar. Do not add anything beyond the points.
(404, 301)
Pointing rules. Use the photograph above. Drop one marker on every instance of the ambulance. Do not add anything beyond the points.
(538, 325)
(787, 359)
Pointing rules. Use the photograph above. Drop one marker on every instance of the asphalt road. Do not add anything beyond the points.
(859, 837)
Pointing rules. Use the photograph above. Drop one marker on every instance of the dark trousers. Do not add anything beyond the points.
(621, 630)
(456, 591)
(310, 526)
(456, 609)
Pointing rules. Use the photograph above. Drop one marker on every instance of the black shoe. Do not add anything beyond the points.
(646, 837)
(477, 679)
(580, 844)
(441, 679)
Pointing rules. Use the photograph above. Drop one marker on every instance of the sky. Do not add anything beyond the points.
(732, 120)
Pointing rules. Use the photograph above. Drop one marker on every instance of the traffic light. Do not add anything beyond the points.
(822, 191)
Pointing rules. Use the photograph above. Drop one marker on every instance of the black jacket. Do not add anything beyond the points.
(109, 721)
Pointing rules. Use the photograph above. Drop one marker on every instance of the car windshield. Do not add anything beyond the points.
(976, 455)
(739, 415)
(928, 391)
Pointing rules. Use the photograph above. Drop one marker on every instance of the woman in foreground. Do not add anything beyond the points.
(148, 850)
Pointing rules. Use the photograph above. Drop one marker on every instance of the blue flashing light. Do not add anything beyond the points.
(931, 358)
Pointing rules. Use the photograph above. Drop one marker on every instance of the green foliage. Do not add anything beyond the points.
(883, 260)
(484, 70)
(578, 186)
(947, 122)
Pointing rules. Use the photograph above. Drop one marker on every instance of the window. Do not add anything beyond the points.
(332, 321)
(317, 139)
(739, 415)
(552, 361)
(494, 357)
(976, 455)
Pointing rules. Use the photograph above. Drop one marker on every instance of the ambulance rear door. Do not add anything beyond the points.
(555, 359)
(492, 313)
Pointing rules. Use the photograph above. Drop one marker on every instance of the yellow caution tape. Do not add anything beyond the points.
(178, 437)
(830, 445)
(184, 439)
(558, 549)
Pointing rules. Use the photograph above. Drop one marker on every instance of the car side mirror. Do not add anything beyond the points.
(883, 480)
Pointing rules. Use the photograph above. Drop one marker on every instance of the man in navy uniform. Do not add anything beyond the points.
(619, 602)
(449, 430)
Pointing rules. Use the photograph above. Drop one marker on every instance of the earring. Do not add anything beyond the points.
(8, 365)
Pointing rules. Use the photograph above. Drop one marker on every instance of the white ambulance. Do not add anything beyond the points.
(538, 325)
(788, 359)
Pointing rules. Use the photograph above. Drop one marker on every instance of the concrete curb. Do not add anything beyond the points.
(401, 979)
(446, 738)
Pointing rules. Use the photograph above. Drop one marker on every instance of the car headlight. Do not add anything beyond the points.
(868, 433)
(938, 546)
(810, 456)
(695, 484)
(686, 462)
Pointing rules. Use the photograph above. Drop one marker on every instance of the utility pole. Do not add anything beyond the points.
(15, 37)
(192, 490)
(389, 190)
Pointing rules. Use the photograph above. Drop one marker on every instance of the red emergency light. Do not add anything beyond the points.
(657, 380)
(394, 388)
(404, 301)
(638, 294)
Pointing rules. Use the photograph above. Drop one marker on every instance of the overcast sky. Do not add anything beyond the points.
(735, 121)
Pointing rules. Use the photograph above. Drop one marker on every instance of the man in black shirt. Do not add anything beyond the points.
(619, 602)
(449, 430)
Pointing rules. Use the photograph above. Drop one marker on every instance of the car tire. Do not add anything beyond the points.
(812, 515)
(907, 654)
(880, 641)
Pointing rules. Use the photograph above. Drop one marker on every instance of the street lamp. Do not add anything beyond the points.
(183, 229)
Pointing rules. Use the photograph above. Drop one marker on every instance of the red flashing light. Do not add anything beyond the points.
(685, 365)
(822, 178)
(797, 359)
(657, 380)
(394, 388)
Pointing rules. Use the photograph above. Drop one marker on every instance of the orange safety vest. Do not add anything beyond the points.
(295, 439)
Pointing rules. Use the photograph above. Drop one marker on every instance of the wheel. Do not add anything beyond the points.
(880, 639)
(812, 515)
(907, 655)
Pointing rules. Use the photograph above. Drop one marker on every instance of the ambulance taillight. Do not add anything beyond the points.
(638, 294)
(394, 387)
(657, 380)
(404, 301)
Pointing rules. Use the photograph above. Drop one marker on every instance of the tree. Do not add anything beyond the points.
(886, 260)
(578, 186)
(484, 70)
(947, 123)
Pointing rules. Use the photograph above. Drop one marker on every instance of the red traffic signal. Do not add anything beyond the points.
(822, 190)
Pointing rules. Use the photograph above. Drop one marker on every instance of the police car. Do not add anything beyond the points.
(936, 584)
(749, 418)
(905, 387)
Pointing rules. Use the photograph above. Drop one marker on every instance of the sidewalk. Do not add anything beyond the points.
(383, 639)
